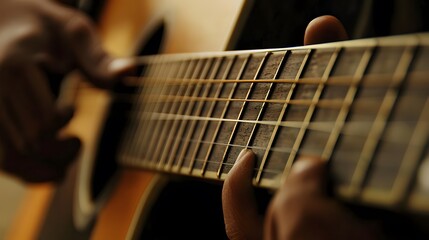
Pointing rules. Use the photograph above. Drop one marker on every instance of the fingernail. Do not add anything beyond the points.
(302, 165)
(243, 154)
(121, 64)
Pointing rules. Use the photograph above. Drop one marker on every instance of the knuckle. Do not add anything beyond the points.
(19, 43)
(298, 209)
(78, 26)
(28, 32)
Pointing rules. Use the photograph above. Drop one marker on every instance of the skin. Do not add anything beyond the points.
(42, 39)
(40, 42)
(301, 208)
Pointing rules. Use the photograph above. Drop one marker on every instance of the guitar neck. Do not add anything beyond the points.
(362, 105)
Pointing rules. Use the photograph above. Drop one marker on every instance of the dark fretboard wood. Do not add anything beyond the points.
(361, 105)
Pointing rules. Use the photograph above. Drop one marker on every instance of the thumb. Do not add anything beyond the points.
(242, 220)
(324, 29)
(85, 46)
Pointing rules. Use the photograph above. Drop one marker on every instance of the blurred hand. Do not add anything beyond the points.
(301, 208)
(42, 41)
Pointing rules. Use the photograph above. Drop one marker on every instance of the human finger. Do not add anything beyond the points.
(100, 67)
(9, 132)
(242, 220)
(302, 204)
(52, 116)
(324, 29)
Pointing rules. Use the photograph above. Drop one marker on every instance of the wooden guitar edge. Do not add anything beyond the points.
(32, 212)
(135, 191)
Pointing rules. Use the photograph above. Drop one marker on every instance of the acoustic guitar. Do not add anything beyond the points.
(362, 105)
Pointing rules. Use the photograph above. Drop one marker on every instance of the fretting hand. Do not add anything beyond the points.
(301, 208)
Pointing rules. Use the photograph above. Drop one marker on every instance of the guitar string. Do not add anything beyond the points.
(309, 81)
(131, 97)
(381, 78)
(284, 150)
(352, 129)
(374, 80)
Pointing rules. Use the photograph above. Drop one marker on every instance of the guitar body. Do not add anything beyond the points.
(71, 210)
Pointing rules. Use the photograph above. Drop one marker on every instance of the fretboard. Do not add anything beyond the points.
(361, 105)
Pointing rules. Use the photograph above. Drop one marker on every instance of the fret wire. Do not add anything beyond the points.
(377, 129)
(152, 126)
(225, 108)
(263, 103)
(184, 123)
(276, 74)
(140, 104)
(199, 110)
(409, 165)
(128, 144)
(348, 100)
(145, 126)
(210, 112)
(309, 114)
(281, 115)
(240, 113)
(160, 127)
(180, 109)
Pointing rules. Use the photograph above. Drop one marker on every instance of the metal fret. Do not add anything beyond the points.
(267, 95)
(135, 151)
(246, 60)
(348, 100)
(154, 123)
(161, 128)
(309, 114)
(379, 124)
(128, 145)
(281, 115)
(187, 106)
(145, 135)
(209, 113)
(192, 122)
(411, 158)
(219, 171)
(179, 110)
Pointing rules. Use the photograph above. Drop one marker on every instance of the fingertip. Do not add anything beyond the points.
(245, 155)
(305, 164)
(240, 208)
(324, 29)
(241, 172)
(121, 66)
(308, 168)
